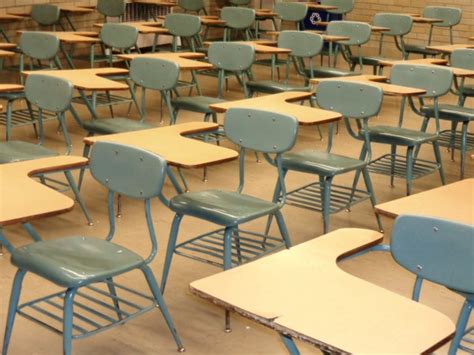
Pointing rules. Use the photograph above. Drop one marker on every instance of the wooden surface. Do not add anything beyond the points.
(263, 47)
(379, 28)
(302, 292)
(5, 45)
(88, 79)
(326, 38)
(4, 53)
(419, 19)
(11, 87)
(461, 73)
(185, 60)
(449, 48)
(471, 38)
(318, 7)
(287, 103)
(454, 202)
(155, 3)
(169, 143)
(11, 18)
(143, 27)
(73, 37)
(377, 80)
(212, 21)
(73, 9)
(25, 199)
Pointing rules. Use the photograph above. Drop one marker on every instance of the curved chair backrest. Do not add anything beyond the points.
(436, 80)
(126, 170)
(451, 16)
(39, 45)
(291, 11)
(183, 25)
(434, 249)
(48, 92)
(238, 17)
(463, 58)
(244, 127)
(350, 99)
(236, 57)
(239, 2)
(191, 5)
(45, 14)
(302, 44)
(399, 24)
(358, 32)
(343, 6)
(154, 73)
(118, 35)
(111, 8)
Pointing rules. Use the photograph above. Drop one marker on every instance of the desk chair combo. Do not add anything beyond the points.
(112, 8)
(47, 15)
(343, 7)
(238, 20)
(196, 6)
(291, 12)
(87, 267)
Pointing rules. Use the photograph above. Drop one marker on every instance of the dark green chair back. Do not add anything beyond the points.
(236, 57)
(302, 44)
(451, 16)
(239, 2)
(192, 5)
(39, 45)
(154, 73)
(343, 6)
(119, 36)
(183, 25)
(398, 24)
(463, 58)
(45, 14)
(48, 92)
(238, 18)
(291, 11)
(111, 8)
(358, 32)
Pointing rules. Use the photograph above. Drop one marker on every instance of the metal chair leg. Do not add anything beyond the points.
(85, 153)
(113, 293)
(417, 289)
(67, 320)
(463, 148)
(393, 152)
(77, 195)
(227, 265)
(283, 229)
(439, 161)
(373, 201)
(326, 197)
(170, 249)
(290, 345)
(461, 326)
(409, 172)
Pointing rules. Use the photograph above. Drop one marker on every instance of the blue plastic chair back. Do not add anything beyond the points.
(434, 249)
(128, 171)
(154, 73)
(45, 14)
(302, 44)
(231, 56)
(358, 32)
(436, 80)
(48, 92)
(350, 99)
(119, 36)
(183, 25)
(291, 11)
(238, 18)
(39, 45)
(244, 127)
(343, 6)
(463, 58)
(111, 8)
(451, 16)
(399, 24)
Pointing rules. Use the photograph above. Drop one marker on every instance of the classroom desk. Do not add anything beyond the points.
(284, 103)
(449, 48)
(25, 199)
(302, 293)
(4, 53)
(319, 7)
(11, 87)
(5, 18)
(454, 202)
(185, 60)
(8, 45)
(458, 72)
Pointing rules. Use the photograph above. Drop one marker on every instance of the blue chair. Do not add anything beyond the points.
(84, 266)
(442, 252)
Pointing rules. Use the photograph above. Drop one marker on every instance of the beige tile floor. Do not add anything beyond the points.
(199, 323)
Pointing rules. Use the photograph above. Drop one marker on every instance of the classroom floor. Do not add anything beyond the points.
(199, 323)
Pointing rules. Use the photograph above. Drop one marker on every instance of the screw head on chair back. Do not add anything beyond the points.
(191, 5)
(291, 11)
(184, 25)
(302, 44)
(111, 8)
(343, 6)
(399, 24)
(463, 58)
(154, 73)
(358, 32)
(118, 35)
(436, 80)
(48, 92)
(238, 17)
(39, 45)
(434, 249)
(231, 56)
(127, 170)
(451, 16)
(244, 127)
(45, 14)
(350, 99)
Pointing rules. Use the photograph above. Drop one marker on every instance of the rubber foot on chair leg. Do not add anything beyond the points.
(90, 224)
(181, 349)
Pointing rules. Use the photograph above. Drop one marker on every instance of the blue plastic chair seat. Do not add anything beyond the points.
(412, 48)
(327, 72)
(399, 136)
(75, 261)
(320, 163)
(195, 103)
(13, 151)
(222, 207)
(450, 112)
(114, 125)
(274, 87)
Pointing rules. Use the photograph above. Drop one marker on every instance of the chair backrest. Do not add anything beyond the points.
(350, 99)
(302, 44)
(291, 11)
(435, 79)
(111, 8)
(434, 249)
(48, 92)
(358, 32)
(451, 16)
(183, 25)
(463, 58)
(119, 36)
(238, 17)
(39, 45)
(154, 73)
(244, 127)
(191, 5)
(399, 24)
(239, 2)
(45, 14)
(231, 56)
(343, 6)
(126, 170)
